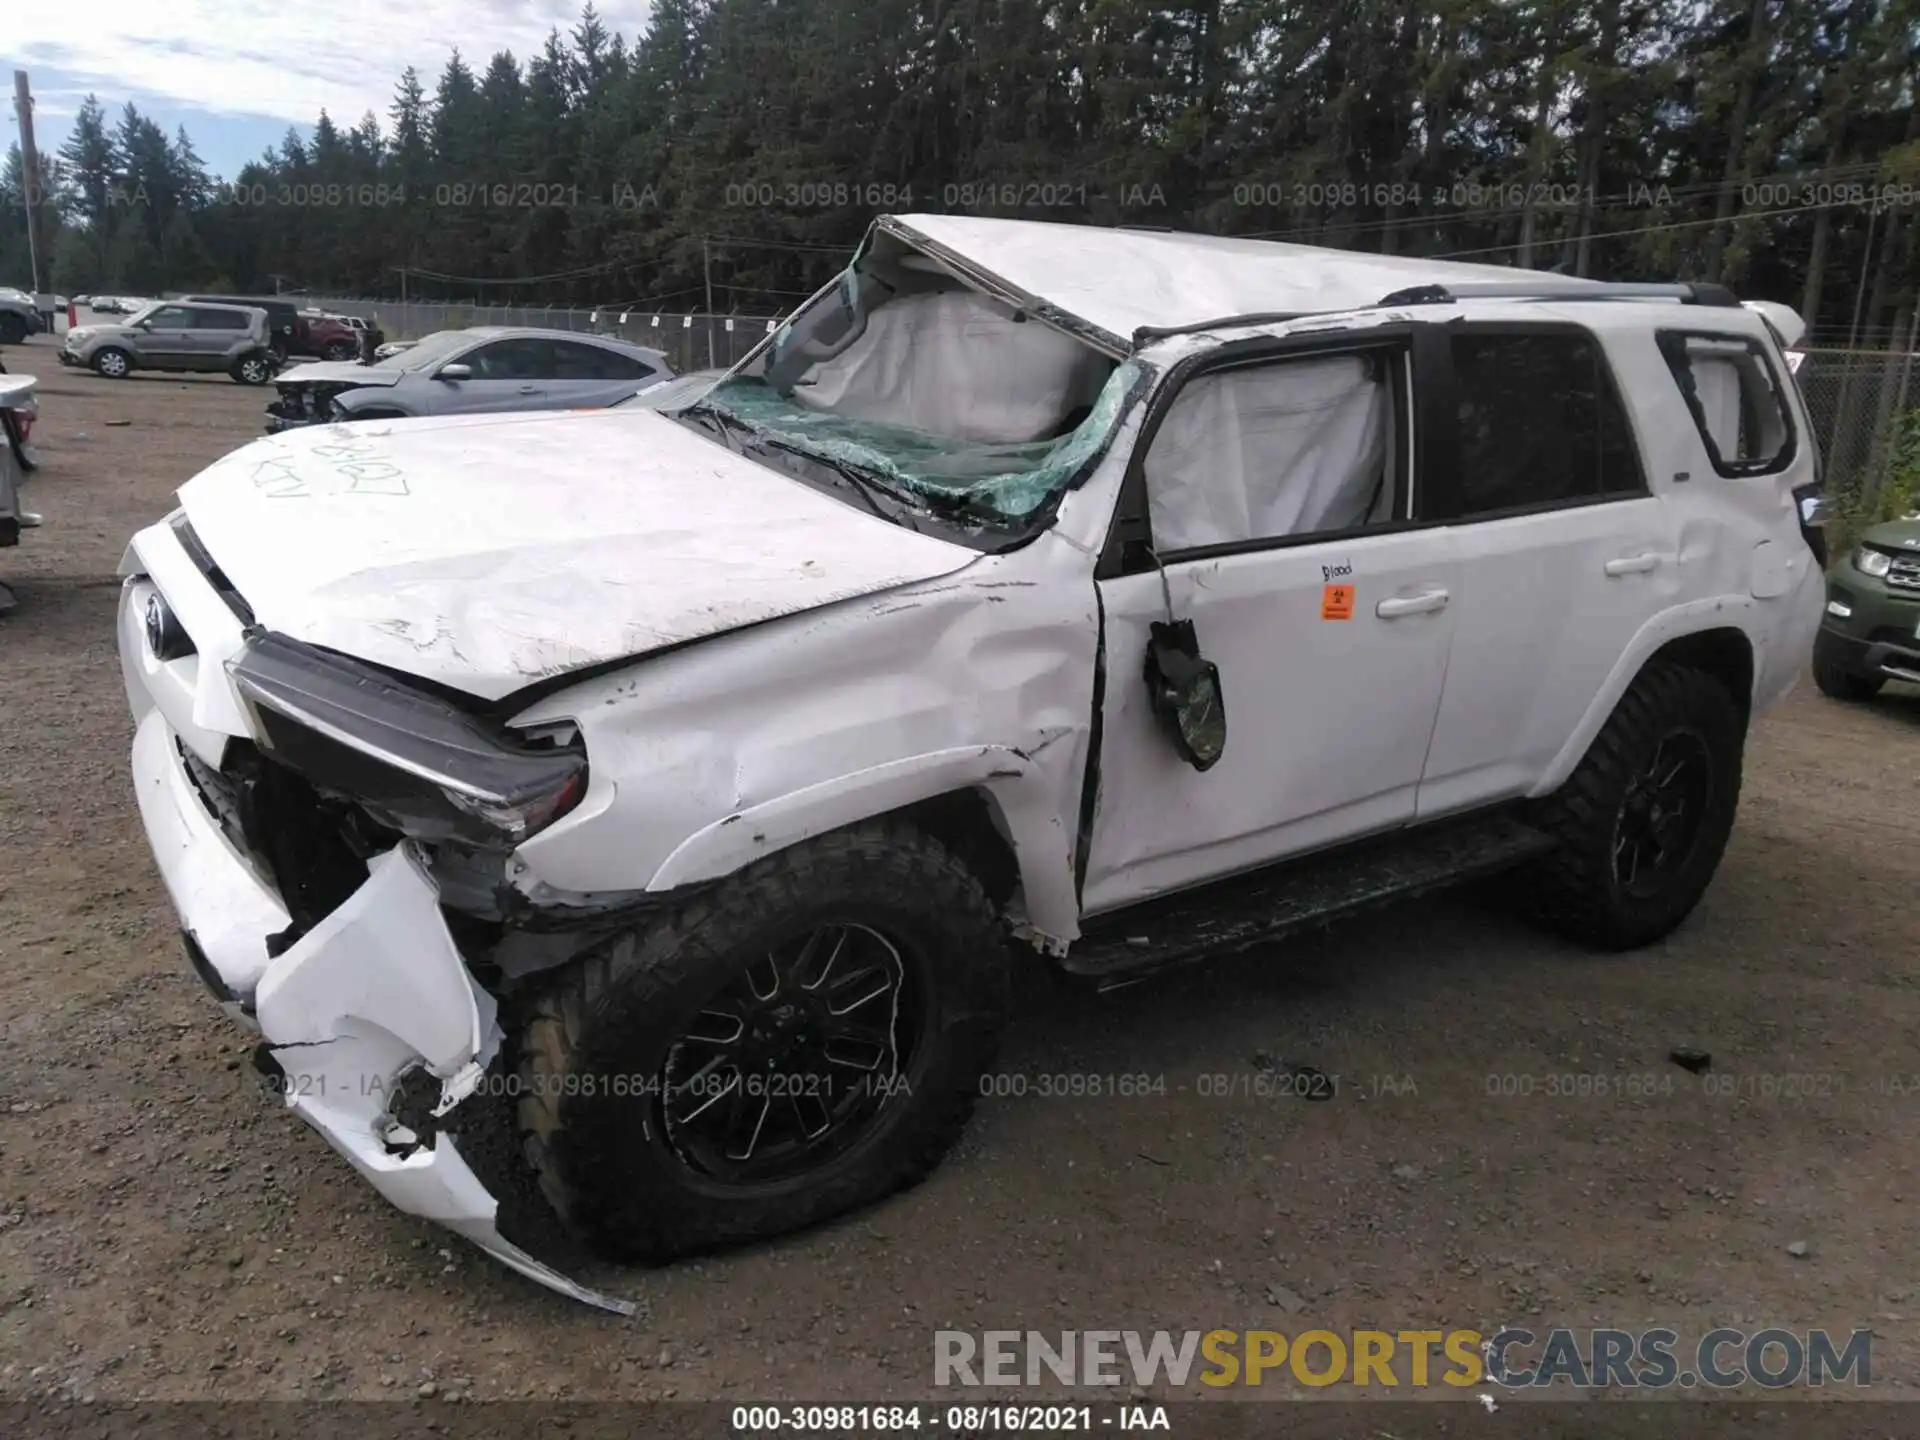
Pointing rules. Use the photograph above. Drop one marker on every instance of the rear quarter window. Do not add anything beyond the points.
(1736, 397)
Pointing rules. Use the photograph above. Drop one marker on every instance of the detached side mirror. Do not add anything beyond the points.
(1186, 693)
(454, 372)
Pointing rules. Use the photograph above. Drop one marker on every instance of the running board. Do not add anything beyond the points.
(1276, 901)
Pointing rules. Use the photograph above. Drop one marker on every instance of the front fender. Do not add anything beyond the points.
(1010, 779)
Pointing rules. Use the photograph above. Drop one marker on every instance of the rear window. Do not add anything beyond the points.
(589, 362)
(1736, 399)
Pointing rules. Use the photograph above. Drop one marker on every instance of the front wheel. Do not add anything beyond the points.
(804, 1038)
(339, 351)
(1643, 820)
(114, 364)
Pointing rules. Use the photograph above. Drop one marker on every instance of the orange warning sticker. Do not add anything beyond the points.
(1336, 602)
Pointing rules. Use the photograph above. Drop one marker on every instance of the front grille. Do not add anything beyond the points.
(216, 577)
(1905, 572)
(311, 848)
(216, 797)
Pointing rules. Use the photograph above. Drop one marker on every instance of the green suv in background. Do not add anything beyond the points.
(1871, 632)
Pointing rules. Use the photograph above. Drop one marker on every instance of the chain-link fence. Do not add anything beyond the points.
(1857, 399)
(690, 342)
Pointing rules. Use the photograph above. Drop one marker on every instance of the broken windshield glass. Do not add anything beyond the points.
(997, 480)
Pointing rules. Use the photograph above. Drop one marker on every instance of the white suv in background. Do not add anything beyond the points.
(1037, 594)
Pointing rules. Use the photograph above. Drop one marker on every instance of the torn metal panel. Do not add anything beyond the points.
(883, 698)
(375, 990)
(1120, 281)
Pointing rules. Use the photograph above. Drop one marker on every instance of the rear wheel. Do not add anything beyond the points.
(114, 364)
(1644, 818)
(1840, 683)
(252, 369)
(804, 1038)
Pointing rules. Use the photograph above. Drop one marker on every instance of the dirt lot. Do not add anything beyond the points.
(165, 1233)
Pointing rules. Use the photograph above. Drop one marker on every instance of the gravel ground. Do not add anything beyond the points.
(165, 1233)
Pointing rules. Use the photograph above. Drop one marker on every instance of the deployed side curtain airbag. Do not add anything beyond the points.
(955, 363)
(1287, 449)
(1716, 384)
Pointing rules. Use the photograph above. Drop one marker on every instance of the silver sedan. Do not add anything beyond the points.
(464, 372)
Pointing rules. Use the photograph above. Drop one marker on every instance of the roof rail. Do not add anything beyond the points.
(1698, 292)
(1146, 334)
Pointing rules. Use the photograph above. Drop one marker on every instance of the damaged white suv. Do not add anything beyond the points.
(1106, 597)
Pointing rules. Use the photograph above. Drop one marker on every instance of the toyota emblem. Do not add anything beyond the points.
(156, 624)
(165, 638)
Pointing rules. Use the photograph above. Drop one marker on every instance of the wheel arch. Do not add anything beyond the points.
(1717, 636)
(987, 803)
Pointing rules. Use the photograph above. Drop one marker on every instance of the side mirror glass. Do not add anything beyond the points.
(1186, 693)
(455, 371)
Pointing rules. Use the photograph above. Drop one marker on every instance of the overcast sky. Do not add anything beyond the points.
(236, 73)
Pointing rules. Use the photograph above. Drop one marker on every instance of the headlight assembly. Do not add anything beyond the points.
(1869, 561)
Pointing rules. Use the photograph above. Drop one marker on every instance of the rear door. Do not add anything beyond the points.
(1564, 553)
(216, 332)
(511, 374)
(592, 375)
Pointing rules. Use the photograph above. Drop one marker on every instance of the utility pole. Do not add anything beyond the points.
(706, 258)
(30, 180)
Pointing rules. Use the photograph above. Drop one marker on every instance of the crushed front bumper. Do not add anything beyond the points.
(374, 991)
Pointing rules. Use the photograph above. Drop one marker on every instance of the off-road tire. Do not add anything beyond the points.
(252, 370)
(1574, 888)
(604, 1160)
(1839, 683)
(106, 359)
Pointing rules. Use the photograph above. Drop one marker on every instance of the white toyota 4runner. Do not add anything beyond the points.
(1104, 596)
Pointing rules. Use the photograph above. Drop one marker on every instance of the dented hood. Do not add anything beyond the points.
(340, 372)
(489, 552)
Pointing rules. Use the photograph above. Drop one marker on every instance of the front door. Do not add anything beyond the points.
(507, 375)
(1278, 495)
(167, 337)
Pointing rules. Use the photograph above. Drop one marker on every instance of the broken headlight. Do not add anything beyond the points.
(411, 760)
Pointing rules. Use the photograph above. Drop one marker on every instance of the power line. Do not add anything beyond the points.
(1652, 229)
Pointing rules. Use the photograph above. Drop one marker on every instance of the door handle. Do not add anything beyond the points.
(528, 389)
(1633, 565)
(1412, 605)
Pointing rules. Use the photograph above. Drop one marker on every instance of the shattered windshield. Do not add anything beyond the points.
(922, 398)
(1007, 481)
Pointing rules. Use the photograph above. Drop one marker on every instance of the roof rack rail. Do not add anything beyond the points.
(1146, 334)
(1696, 292)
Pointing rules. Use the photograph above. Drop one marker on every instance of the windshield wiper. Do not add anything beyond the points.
(866, 486)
